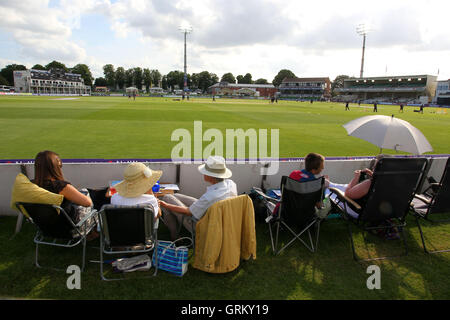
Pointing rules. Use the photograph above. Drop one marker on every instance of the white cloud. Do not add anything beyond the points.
(311, 38)
(41, 32)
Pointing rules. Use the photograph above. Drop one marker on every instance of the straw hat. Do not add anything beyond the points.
(138, 179)
(215, 167)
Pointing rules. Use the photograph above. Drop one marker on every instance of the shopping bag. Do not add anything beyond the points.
(170, 258)
(324, 209)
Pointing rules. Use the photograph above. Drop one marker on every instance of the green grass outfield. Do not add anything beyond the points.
(118, 127)
(104, 127)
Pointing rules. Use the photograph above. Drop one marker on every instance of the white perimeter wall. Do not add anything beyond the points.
(246, 176)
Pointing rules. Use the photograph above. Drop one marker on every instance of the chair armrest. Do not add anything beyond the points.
(262, 194)
(435, 186)
(341, 196)
(422, 198)
(91, 214)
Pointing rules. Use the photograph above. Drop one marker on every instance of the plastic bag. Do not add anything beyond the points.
(324, 209)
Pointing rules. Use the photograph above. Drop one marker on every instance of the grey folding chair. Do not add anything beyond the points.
(126, 230)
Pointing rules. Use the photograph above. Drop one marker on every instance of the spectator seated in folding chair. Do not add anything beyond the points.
(435, 200)
(382, 201)
(225, 235)
(136, 188)
(314, 165)
(54, 225)
(127, 230)
(182, 210)
(296, 212)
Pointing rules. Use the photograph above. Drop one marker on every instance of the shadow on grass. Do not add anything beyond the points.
(330, 273)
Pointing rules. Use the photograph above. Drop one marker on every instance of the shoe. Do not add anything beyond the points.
(391, 236)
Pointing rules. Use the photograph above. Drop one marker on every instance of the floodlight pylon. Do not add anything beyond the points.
(362, 30)
(185, 30)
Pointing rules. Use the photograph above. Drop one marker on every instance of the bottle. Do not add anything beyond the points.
(156, 187)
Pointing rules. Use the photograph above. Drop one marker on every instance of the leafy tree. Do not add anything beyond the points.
(8, 72)
(56, 65)
(38, 67)
(338, 82)
(240, 79)
(261, 81)
(138, 78)
(164, 83)
(248, 78)
(100, 82)
(147, 77)
(129, 77)
(214, 78)
(174, 78)
(206, 79)
(155, 76)
(194, 81)
(110, 75)
(284, 73)
(86, 74)
(120, 77)
(3, 81)
(228, 77)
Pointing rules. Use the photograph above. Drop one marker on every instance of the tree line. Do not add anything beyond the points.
(120, 78)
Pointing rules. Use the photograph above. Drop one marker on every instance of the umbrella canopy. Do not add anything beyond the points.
(389, 133)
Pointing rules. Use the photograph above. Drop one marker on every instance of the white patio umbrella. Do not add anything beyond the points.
(389, 133)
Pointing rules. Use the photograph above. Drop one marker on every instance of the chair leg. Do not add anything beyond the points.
(297, 237)
(102, 274)
(36, 259)
(276, 237)
(311, 241)
(402, 230)
(19, 223)
(83, 263)
(155, 251)
(421, 235)
(317, 235)
(423, 239)
(355, 257)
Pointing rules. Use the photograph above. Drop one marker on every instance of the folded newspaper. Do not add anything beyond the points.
(141, 263)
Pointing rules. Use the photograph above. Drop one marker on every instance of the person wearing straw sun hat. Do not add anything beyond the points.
(180, 209)
(136, 187)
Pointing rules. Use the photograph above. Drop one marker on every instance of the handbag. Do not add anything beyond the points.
(170, 258)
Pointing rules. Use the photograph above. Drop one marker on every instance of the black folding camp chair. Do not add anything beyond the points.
(126, 230)
(296, 213)
(56, 228)
(394, 183)
(434, 200)
(264, 207)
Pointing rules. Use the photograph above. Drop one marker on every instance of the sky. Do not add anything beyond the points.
(260, 37)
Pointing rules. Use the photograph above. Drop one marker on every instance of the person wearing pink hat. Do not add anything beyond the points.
(184, 210)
